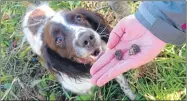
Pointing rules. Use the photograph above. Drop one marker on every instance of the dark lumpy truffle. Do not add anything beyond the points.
(118, 54)
(134, 49)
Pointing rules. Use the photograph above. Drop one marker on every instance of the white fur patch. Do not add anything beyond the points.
(122, 81)
(79, 87)
(35, 39)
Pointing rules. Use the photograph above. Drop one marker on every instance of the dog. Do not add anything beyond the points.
(69, 42)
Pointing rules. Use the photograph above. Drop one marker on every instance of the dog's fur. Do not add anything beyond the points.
(59, 38)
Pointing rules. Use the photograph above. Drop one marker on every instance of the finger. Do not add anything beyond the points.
(106, 77)
(105, 69)
(116, 35)
(113, 40)
(111, 74)
(123, 66)
(102, 61)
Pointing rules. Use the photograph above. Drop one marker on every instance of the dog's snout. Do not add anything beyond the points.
(87, 39)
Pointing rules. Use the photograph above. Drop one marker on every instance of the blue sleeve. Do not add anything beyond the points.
(165, 19)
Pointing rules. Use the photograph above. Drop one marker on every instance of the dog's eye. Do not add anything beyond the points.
(59, 40)
(78, 18)
(57, 31)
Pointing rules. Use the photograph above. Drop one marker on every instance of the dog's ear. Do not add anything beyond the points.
(56, 63)
(96, 20)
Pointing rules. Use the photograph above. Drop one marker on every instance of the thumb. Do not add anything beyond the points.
(116, 35)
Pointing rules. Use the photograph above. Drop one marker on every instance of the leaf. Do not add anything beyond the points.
(2, 53)
(7, 85)
(77, 3)
(5, 43)
(59, 5)
(9, 89)
(52, 96)
(84, 97)
(23, 53)
(1, 38)
(35, 82)
(71, 3)
(6, 78)
(43, 93)
(74, 3)
(51, 77)
(44, 84)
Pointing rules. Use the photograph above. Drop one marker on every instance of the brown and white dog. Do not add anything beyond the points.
(69, 43)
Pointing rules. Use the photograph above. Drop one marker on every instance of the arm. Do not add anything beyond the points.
(165, 19)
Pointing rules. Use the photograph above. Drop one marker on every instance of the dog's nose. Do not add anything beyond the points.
(87, 40)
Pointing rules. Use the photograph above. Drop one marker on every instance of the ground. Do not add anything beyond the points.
(23, 77)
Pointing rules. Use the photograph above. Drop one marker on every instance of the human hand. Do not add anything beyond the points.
(128, 31)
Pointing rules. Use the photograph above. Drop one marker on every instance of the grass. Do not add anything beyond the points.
(22, 77)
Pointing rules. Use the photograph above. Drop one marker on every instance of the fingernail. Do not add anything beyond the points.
(100, 84)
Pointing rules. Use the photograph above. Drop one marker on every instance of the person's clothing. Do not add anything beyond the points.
(165, 19)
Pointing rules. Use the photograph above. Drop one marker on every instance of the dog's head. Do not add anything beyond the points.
(78, 34)
(72, 39)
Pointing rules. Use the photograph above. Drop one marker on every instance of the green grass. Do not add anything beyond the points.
(21, 78)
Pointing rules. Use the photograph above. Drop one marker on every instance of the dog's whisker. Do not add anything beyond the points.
(98, 26)
(69, 55)
(105, 36)
(103, 30)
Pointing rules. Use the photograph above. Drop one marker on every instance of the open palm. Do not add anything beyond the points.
(127, 32)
